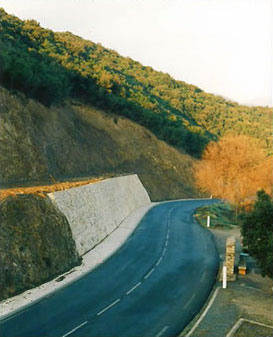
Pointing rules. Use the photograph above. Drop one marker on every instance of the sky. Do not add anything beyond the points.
(222, 46)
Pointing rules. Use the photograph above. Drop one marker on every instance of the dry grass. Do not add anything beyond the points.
(43, 190)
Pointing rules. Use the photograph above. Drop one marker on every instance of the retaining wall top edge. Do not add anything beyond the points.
(51, 194)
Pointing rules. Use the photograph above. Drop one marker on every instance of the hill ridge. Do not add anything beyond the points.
(52, 66)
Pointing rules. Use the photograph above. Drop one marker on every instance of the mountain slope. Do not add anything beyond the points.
(52, 66)
(75, 140)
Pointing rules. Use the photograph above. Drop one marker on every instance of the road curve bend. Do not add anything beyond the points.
(152, 286)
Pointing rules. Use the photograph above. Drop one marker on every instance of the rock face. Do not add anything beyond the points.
(95, 210)
(36, 243)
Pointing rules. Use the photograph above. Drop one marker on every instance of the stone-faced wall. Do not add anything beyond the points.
(95, 210)
(230, 256)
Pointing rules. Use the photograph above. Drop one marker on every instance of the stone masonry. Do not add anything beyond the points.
(230, 257)
(95, 210)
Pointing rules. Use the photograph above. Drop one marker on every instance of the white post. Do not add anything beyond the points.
(224, 277)
(208, 221)
(211, 196)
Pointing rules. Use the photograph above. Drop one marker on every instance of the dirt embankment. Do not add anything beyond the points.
(44, 189)
(36, 243)
(71, 141)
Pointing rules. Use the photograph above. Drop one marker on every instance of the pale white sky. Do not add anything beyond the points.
(222, 46)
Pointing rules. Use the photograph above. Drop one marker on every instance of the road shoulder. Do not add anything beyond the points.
(249, 298)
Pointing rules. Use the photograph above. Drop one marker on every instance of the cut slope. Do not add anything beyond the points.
(74, 140)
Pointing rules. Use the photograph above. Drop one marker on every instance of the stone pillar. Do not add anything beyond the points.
(230, 257)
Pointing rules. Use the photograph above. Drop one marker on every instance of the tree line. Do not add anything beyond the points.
(52, 66)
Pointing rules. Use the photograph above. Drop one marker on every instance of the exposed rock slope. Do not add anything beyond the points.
(36, 243)
(74, 140)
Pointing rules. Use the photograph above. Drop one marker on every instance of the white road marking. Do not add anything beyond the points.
(109, 306)
(166, 243)
(150, 272)
(162, 331)
(164, 251)
(167, 238)
(133, 288)
(77, 327)
(204, 313)
(160, 259)
(189, 301)
(242, 320)
(203, 277)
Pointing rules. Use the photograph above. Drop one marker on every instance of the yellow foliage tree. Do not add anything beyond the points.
(234, 168)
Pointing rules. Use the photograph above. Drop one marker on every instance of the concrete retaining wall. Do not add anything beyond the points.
(95, 210)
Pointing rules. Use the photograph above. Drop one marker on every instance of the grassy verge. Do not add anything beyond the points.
(221, 216)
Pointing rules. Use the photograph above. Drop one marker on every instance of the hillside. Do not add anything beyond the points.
(36, 243)
(39, 143)
(72, 110)
(51, 67)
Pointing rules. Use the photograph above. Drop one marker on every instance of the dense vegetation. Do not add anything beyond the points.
(257, 232)
(221, 215)
(52, 66)
(234, 168)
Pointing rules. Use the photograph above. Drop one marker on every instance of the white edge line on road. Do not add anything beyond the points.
(109, 306)
(77, 327)
(204, 313)
(235, 327)
(164, 251)
(162, 331)
(150, 272)
(258, 323)
(133, 288)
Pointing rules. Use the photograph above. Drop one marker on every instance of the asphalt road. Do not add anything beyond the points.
(153, 286)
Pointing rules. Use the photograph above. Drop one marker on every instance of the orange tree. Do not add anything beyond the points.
(234, 168)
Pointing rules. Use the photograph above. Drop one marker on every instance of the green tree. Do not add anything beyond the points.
(52, 66)
(257, 232)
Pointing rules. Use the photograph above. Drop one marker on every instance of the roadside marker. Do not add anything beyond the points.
(224, 277)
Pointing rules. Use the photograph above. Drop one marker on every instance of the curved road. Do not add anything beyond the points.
(152, 286)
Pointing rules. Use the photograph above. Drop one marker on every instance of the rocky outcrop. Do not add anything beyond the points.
(36, 243)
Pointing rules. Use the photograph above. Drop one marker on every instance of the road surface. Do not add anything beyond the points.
(152, 286)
